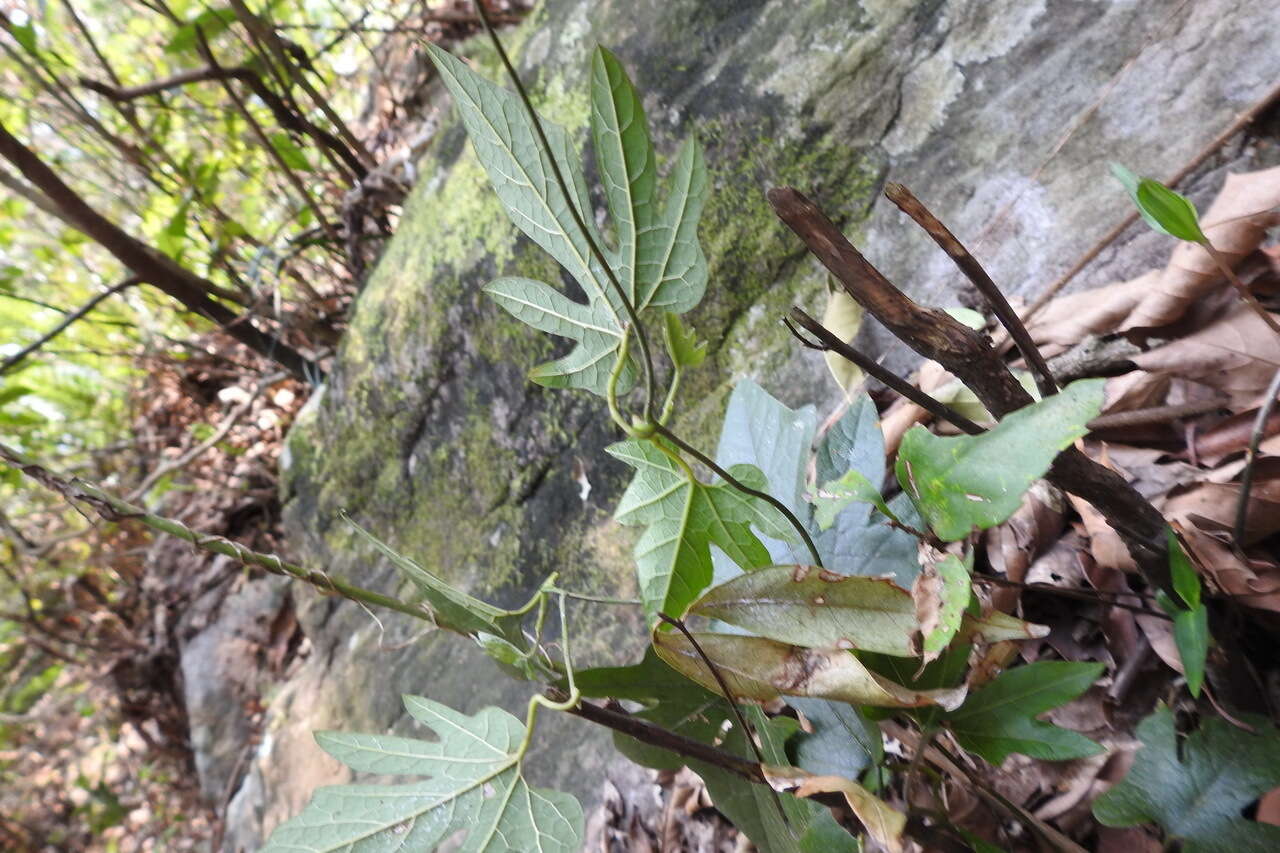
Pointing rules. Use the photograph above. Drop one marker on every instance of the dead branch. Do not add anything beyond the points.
(286, 117)
(149, 265)
(971, 358)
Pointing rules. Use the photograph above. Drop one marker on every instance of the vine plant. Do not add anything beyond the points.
(835, 605)
(819, 594)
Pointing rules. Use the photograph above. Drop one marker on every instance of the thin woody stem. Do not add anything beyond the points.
(968, 264)
(110, 508)
(742, 487)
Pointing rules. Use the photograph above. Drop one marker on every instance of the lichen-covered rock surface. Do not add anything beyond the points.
(428, 432)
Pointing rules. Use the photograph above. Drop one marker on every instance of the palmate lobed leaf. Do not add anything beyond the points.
(683, 518)
(1000, 718)
(1197, 787)
(657, 260)
(959, 483)
(475, 785)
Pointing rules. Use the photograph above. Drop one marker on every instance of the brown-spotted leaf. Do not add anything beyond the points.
(882, 822)
(757, 669)
(807, 606)
(941, 594)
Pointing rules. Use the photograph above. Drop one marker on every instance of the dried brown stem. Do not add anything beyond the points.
(968, 264)
(970, 356)
(1255, 438)
(829, 341)
(189, 289)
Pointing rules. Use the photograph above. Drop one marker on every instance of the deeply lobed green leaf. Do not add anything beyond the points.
(683, 518)
(1000, 718)
(1197, 787)
(474, 786)
(657, 261)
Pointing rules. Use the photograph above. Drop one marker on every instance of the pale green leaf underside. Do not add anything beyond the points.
(657, 260)
(451, 607)
(959, 483)
(475, 786)
(682, 520)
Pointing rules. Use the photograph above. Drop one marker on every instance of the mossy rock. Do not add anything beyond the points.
(428, 432)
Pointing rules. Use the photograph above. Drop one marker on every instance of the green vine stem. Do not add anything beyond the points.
(110, 508)
(742, 487)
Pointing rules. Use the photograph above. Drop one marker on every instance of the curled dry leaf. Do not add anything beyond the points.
(1067, 320)
(1211, 506)
(1232, 436)
(843, 316)
(761, 670)
(882, 822)
(1236, 354)
(1235, 225)
(1254, 582)
(1039, 521)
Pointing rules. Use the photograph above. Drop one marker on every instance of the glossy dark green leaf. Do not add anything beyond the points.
(959, 483)
(1191, 636)
(1198, 787)
(1000, 718)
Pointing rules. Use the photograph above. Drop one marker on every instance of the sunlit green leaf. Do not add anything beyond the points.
(474, 785)
(959, 483)
(682, 342)
(289, 152)
(1197, 787)
(1163, 209)
(209, 23)
(682, 519)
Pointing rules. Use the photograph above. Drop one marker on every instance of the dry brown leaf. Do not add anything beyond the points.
(1105, 545)
(1232, 436)
(1236, 354)
(1012, 546)
(904, 414)
(1211, 506)
(882, 823)
(1068, 320)
(1253, 582)
(1235, 224)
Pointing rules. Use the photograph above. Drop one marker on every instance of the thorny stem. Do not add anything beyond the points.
(968, 264)
(1255, 438)
(742, 487)
(111, 508)
(573, 209)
